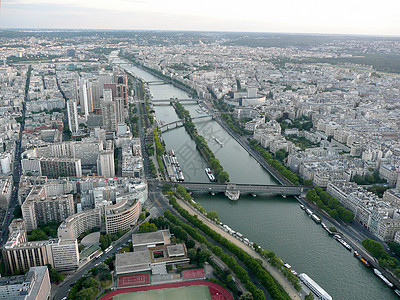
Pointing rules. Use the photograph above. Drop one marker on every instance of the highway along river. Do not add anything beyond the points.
(275, 223)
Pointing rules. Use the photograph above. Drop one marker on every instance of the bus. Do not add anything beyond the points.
(108, 249)
(98, 255)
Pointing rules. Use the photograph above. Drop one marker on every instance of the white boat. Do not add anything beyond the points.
(232, 192)
(314, 287)
(384, 279)
(210, 175)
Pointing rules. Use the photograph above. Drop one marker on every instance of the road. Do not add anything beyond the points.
(60, 291)
(16, 173)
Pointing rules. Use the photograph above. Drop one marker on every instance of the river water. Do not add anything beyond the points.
(275, 223)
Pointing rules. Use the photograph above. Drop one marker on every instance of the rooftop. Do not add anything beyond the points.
(151, 238)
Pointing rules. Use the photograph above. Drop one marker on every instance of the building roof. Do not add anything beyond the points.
(175, 250)
(151, 238)
(131, 262)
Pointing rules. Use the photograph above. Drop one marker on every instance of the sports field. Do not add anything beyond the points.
(194, 292)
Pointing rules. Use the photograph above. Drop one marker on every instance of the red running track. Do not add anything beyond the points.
(217, 292)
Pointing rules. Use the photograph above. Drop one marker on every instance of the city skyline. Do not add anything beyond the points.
(308, 16)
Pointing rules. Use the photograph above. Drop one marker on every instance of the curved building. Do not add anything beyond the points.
(122, 215)
(75, 225)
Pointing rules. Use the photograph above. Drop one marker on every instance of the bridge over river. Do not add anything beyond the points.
(235, 189)
(180, 123)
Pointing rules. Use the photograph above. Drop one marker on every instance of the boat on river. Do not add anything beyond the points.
(210, 175)
(232, 192)
(362, 259)
(383, 278)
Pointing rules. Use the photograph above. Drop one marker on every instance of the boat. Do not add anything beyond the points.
(219, 142)
(315, 218)
(343, 242)
(302, 207)
(362, 259)
(314, 287)
(210, 175)
(172, 166)
(384, 279)
(309, 212)
(397, 292)
(326, 228)
(232, 192)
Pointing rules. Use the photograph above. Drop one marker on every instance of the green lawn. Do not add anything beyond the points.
(195, 292)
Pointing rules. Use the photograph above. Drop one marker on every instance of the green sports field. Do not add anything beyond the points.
(195, 292)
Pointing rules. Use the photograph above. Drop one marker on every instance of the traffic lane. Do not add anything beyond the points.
(64, 288)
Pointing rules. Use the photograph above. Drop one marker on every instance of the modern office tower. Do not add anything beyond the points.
(33, 285)
(94, 95)
(83, 98)
(72, 116)
(120, 109)
(60, 167)
(108, 110)
(105, 164)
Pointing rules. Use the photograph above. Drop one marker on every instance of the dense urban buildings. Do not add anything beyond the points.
(326, 110)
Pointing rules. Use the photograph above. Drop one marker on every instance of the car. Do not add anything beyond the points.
(65, 298)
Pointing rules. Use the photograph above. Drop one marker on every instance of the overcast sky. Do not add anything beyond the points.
(302, 16)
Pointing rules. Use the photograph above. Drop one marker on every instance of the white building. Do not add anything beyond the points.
(105, 164)
(72, 116)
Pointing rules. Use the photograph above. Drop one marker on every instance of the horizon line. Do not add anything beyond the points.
(196, 30)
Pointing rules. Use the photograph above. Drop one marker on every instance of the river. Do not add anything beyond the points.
(275, 223)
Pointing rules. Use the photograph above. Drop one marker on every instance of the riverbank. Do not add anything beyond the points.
(221, 175)
(275, 223)
(274, 273)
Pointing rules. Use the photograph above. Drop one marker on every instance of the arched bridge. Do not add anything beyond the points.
(284, 190)
(179, 123)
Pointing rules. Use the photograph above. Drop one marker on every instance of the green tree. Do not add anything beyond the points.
(310, 296)
(147, 227)
(246, 296)
(37, 235)
(87, 294)
(213, 215)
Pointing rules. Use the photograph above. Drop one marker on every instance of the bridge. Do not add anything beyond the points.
(158, 82)
(180, 123)
(254, 189)
(171, 100)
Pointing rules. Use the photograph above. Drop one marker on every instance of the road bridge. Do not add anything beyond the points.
(158, 82)
(180, 123)
(172, 100)
(255, 189)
